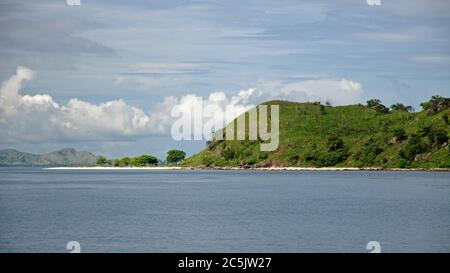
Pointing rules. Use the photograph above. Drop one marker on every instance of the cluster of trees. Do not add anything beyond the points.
(401, 107)
(435, 105)
(139, 161)
(173, 157)
(376, 105)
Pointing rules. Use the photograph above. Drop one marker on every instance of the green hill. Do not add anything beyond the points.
(316, 135)
(64, 157)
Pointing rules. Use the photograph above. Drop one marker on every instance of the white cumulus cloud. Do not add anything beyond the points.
(38, 118)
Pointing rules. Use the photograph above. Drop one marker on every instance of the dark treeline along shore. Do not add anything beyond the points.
(71, 157)
(370, 135)
(174, 157)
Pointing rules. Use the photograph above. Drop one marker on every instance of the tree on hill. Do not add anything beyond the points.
(401, 107)
(436, 104)
(376, 105)
(373, 103)
(175, 156)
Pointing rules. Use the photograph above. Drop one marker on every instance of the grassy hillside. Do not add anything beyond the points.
(64, 157)
(315, 135)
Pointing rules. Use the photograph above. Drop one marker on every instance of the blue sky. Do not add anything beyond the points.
(141, 52)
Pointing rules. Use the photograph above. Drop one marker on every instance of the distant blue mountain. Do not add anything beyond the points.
(64, 157)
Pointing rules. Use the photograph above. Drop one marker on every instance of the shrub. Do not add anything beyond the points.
(414, 147)
(311, 156)
(331, 158)
(263, 155)
(207, 160)
(293, 157)
(335, 143)
(227, 153)
(438, 136)
(400, 134)
(445, 118)
(322, 109)
(441, 137)
(403, 163)
(249, 160)
(369, 153)
(424, 130)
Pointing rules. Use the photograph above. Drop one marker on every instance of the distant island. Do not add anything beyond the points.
(63, 157)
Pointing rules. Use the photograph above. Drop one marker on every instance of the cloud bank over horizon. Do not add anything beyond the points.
(39, 118)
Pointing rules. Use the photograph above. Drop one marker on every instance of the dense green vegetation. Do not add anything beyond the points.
(371, 135)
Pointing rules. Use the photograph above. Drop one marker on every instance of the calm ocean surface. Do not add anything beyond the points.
(223, 211)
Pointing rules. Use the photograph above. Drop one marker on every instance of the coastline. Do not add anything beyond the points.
(256, 169)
